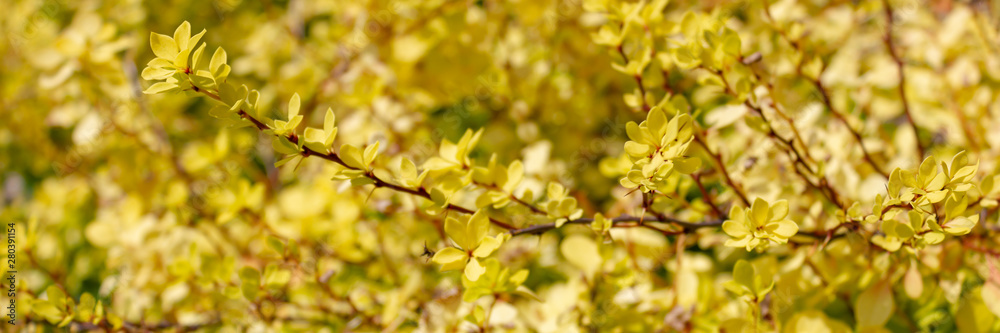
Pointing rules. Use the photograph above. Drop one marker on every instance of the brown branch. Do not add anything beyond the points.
(988, 250)
(857, 136)
(637, 77)
(333, 157)
(686, 227)
(54, 276)
(792, 151)
(707, 196)
(514, 198)
(621, 221)
(902, 77)
(823, 93)
(791, 123)
(717, 157)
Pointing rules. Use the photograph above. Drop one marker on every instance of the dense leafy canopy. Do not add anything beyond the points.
(555, 166)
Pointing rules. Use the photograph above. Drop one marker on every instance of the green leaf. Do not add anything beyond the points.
(250, 282)
(276, 277)
(276, 244)
(360, 181)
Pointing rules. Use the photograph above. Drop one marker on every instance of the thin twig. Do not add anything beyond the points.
(902, 77)
(619, 221)
(333, 157)
(824, 94)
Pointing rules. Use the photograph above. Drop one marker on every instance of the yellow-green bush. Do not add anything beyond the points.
(454, 166)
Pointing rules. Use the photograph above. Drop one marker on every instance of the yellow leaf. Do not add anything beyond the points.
(991, 297)
(163, 46)
(293, 103)
(473, 270)
(743, 273)
(815, 321)
(182, 35)
(759, 212)
(972, 314)
(457, 231)
(218, 61)
(329, 128)
(486, 247)
(478, 227)
(450, 259)
(581, 251)
(959, 226)
(408, 171)
(875, 305)
(687, 286)
(313, 135)
(636, 149)
(913, 283)
(351, 156)
(515, 173)
(601, 224)
(656, 120)
(160, 87)
(779, 210)
(687, 165)
(156, 73)
(927, 170)
(370, 153)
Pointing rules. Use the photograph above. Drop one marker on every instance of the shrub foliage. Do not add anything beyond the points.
(561, 165)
